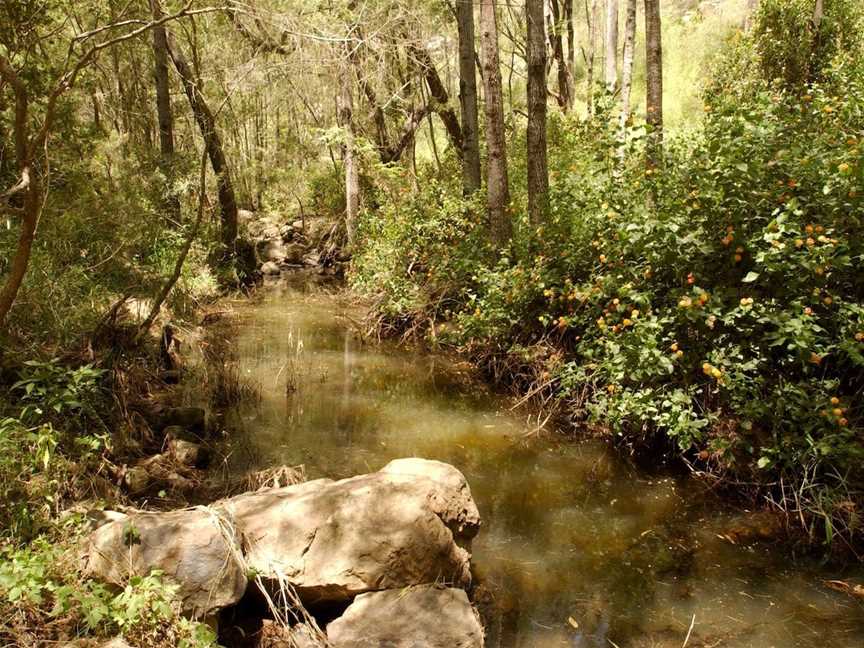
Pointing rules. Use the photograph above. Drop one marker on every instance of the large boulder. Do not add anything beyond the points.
(196, 548)
(405, 525)
(409, 524)
(427, 616)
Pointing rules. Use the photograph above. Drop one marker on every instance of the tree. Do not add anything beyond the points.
(654, 82)
(611, 67)
(497, 182)
(591, 16)
(565, 83)
(345, 117)
(468, 97)
(627, 67)
(164, 115)
(538, 172)
(213, 142)
(26, 199)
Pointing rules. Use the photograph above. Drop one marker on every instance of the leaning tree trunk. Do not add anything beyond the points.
(207, 124)
(497, 183)
(471, 178)
(163, 113)
(538, 171)
(611, 67)
(627, 70)
(345, 116)
(654, 83)
(440, 99)
(30, 185)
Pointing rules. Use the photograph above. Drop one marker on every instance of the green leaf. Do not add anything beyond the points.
(751, 277)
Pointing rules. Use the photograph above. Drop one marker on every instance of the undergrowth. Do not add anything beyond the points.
(716, 302)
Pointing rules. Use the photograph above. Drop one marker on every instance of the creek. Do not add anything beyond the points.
(578, 547)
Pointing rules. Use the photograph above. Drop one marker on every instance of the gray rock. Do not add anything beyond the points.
(271, 250)
(195, 548)
(271, 268)
(334, 540)
(297, 225)
(137, 480)
(187, 453)
(420, 617)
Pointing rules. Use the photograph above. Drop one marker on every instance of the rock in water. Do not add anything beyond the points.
(192, 547)
(271, 268)
(427, 616)
(390, 529)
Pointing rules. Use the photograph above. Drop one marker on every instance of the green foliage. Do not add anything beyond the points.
(717, 302)
(40, 452)
(38, 587)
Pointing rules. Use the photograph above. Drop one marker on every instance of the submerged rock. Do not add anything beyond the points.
(194, 548)
(427, 616)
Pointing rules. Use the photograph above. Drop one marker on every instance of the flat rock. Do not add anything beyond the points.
(192, 547)
(426, 616)
(334, 540)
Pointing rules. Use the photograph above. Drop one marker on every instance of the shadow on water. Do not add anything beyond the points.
(578, 548)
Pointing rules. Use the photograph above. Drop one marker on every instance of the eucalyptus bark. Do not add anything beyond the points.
(591, 17)
(497, 183)
(627, 67)
(538, 171)
(654, 82)
(213, 143)
(345, 116)
(565, 95)
(471, 179)
(611, 61)
(164, 115)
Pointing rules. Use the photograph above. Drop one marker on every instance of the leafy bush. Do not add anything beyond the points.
(44, 595)
(717, 301)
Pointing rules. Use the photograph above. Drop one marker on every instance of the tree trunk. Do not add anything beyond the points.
(30, 185)
(611, 71)
(497, 184)
(565, 96)
(163, 113)
(627, 68)
(345, 116)
(591, 17)
(654, 82)
(440, 99)
(471, 178)
(571, 37)
(538, 172)
(207, 124)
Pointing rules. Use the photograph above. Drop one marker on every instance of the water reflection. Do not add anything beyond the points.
(578, 548)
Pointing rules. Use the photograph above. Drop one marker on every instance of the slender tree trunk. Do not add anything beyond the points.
(440, 99)
(345, 110)
(471, 178)
(207, 124)
(497, 183)
(538, 171)
(184, 251)
(163, 113)
(30, 185)
(611, 71)
(591, 17)
(565, 96)
(571, 37)
(654, 82)
(627, 68)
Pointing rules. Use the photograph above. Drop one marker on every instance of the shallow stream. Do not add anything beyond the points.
(578, 547)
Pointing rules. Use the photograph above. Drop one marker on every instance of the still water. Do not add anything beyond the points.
(578, 548)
